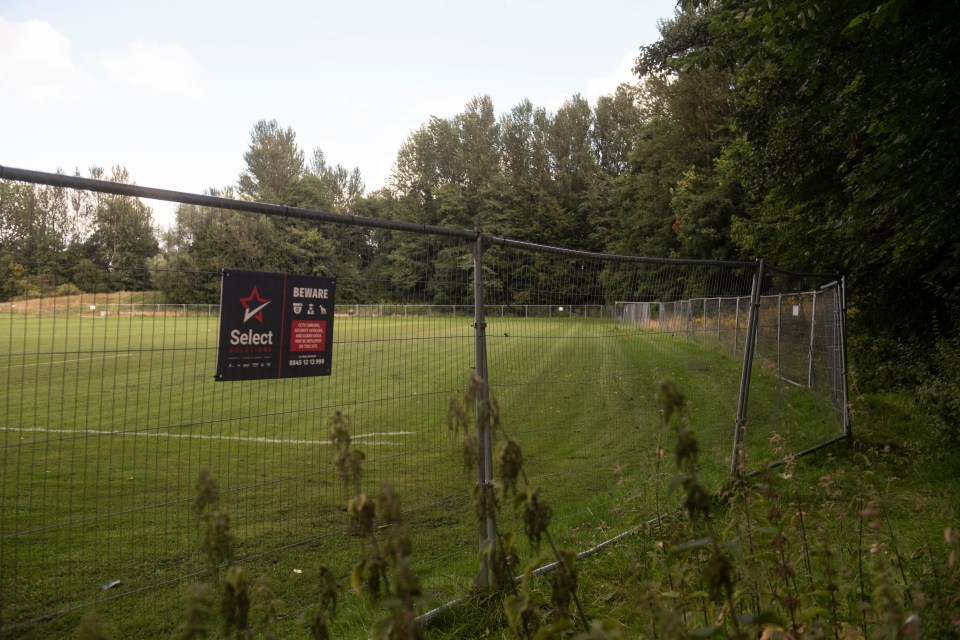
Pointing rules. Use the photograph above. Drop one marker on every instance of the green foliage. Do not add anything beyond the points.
(198, 614)
(235, 603)
(847, 139)
(759, 560)
(274, 163)
(96, 242)
(498, 554)
(678, 198)
(13, 279)
(123, 239)
(939, 392)
(89, 277)
(380, 552)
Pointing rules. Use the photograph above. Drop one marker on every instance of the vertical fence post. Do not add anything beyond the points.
(736, 327)
(843, 353)
(719, 341)
(487, 532)
(749, 346)
(813, 326)
(703, 323)
(779, 325)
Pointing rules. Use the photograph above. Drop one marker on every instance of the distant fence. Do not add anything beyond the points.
(76, 305)
(110, 411)
(798, 333)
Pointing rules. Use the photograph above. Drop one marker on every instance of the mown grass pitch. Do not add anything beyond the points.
(108, 420)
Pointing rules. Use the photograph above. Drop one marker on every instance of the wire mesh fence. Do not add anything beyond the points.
(800, 344)
(798, 361)
(110, 411)
(579, 396)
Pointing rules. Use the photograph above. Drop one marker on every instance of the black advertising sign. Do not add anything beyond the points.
(274, 325)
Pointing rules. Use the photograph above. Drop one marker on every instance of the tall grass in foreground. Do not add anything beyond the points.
(803, 552)
(861, 543)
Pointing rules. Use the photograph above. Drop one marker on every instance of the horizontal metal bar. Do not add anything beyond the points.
(539, 571)
(830, 285)
(246, 206)
(805, 452)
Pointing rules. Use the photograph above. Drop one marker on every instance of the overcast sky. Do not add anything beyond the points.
(171, 89)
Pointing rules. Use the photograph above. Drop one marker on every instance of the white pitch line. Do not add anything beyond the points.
(199, 436)
(37, 364)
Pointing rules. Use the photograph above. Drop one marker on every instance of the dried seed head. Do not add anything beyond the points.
(217, 542)
(669, 397)
(388, 506)
(510, 458)
(536, 517)
(697, 500)
(363, 511)
(563, 581)
(328, 591)
(235, 602)
(469, 454)
(718, 574)
(687, 448)
(205, 492)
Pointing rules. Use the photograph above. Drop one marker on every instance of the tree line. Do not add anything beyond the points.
(54, 239)
(820, 136)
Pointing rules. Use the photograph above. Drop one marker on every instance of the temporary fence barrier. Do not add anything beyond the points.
(111, 412)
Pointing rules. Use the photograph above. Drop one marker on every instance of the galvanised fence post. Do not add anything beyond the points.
(779, 329)
(487, 530)
(813, 328)
(750, 344)
(843, 355)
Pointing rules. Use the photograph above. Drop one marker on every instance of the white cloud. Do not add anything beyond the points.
(166, 68)
(607, 84)
(36, 63)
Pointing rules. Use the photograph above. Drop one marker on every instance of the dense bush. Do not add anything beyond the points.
(938, 394)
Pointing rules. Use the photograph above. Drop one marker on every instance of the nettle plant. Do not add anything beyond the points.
(384, 569)
(243, 612)
(750, 560)
(500, 554)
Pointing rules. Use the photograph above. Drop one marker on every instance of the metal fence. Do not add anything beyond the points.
(110, 411)
(798, 337)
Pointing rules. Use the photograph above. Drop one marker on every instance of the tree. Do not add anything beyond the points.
(848, 117)
(204, 241)
(274, 163)
(571, 153)
(617, 120)
(123, 238)
(479, 140)
(337, 187)
(13, 278)
(672, 201)
(33, 226)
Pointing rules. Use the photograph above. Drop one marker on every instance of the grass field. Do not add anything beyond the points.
(108, 420)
